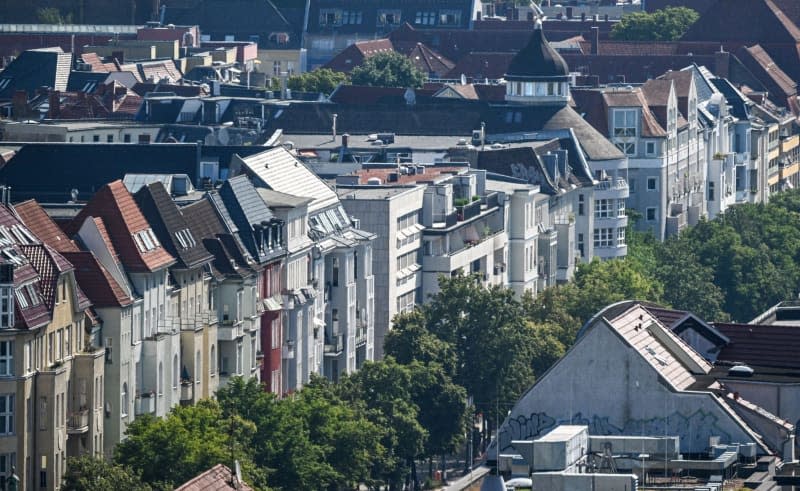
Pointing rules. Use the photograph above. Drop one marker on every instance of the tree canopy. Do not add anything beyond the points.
(387, 69)
(89, 473)
(323, 80)
(668, 24)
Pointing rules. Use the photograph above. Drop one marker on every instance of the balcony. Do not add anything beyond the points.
(78, 422)
(361, 333)
(145, 403)
(187, 390)
(230, 330)
(334, 344)
(611, 189)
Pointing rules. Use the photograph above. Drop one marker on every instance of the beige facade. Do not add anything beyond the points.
(274, 62)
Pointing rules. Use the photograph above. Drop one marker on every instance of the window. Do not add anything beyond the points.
(603, 208)
(175, 372)
(160, 380)
(253, 352)
(628, 148)
(603, 237)
(144, 138)
(351, 17)
(213, 360)
(276, 67)
(625, 122)
(330, 17)
(620, 207)
(620, 237)
(425, 18)
(6, 307)
(7, 414)
(126, 138)
(6, 358)
(650, 214)
(109, 138)
(580, 244)
(650, 148)
(652, 184)
(388, 17)
(710, 190)
(449, 17)
(239, 305)
(123, 409)
(239, 356)
(95, 138)
(580, 204)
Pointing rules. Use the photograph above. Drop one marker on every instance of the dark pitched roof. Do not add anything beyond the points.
(740, 106)
(206, 225)
(537, 60)
(80, 81)
(170, 226)
(746, 21)
(47, 171)
(125, 224)
(429, 61)
(40, 223)
(761, 345)
(244, 19)
(359, 94)
(34, 69)
(247, 210)
(98, 284)
(777, 82)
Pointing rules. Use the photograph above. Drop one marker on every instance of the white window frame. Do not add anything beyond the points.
(624, 123)
(7, 414)
(653, 180)
(7, 357)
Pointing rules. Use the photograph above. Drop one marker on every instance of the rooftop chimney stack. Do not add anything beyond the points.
(595, 40)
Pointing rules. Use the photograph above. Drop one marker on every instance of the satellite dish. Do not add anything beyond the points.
(463, 79)
(223, 136)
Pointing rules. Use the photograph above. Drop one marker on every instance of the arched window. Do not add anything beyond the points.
(124, 396)
(160, 378)
(213, 360)
(175, 372)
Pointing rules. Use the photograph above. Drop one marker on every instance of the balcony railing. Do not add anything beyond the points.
(334, 344)
(145, 403)
(78, 422)
(611, 184)
(187, 390)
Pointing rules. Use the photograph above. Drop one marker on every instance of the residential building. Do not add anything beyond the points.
(51, 385)
(429, 221)
(645, 380)
(334, 25)
(189, 296)
(329, 292)
(113, 228)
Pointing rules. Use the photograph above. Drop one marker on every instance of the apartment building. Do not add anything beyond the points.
(329, 296)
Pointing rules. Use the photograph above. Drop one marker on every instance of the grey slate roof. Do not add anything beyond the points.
(537, 60)
(246, 209)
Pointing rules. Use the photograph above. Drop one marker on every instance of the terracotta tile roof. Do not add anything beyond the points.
(126, 227)
(98, 284)
(40, 223)
(218, 478)
(761, 345)
(596, 108)
(429, 61)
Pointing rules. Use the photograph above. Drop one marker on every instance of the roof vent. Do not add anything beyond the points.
(740, 371)
(374, 181)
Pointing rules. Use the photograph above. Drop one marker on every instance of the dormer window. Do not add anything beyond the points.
(388, 17)
(146, 240)
(449, 17)
(351, 17)
(185, 238)
(330, 17)
(279, 38)
(625, 122)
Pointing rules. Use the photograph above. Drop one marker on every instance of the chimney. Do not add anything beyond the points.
(54, 101)
(345, 140)
(333, 126)
(595, 40)
(583, 16)
(722, 64)
(606, 18)
(19, 104)
(119, 56)
(569, 13)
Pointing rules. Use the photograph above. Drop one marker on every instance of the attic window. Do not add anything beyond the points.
(388, 17)
(23, 302)
(185, 238)
(279, 37)
(13, 256)
(146, 240)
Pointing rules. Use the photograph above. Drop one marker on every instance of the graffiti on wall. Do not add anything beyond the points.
(694, 430)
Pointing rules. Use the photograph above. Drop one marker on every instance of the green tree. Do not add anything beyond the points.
(410, 340)
(323, 80)
(188, 441)
(93, 474)
(668, 24)
(51, 15)
(387, 69)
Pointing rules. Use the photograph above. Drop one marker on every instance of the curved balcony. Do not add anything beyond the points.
(611, 222)
(611, 189)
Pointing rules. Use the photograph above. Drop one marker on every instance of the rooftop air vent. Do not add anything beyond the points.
(740, 371)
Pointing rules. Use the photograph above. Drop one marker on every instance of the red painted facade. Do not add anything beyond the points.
(271, 329)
